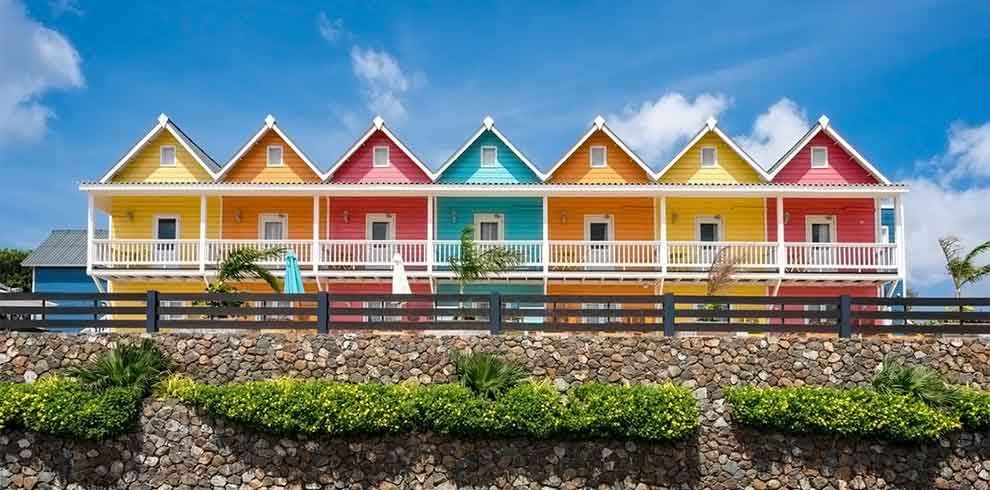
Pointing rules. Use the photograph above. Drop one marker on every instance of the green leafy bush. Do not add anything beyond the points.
(533, 410)
(486, 374)
(919, 382)
(601, 410)
(10, 404)
(138, 366)
(973, 408)
(856, 412)
(63, 407)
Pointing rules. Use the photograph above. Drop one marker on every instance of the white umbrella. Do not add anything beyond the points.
(400, 283)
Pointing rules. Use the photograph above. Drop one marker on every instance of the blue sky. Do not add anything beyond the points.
(904, 82)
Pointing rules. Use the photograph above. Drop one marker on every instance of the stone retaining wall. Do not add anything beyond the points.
(176, 448)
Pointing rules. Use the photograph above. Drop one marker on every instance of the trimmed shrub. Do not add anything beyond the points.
(605, 410)
(10, 404)
(528, 410)
(973, 408)
(856, 412)
(64, 407)
(454, 409)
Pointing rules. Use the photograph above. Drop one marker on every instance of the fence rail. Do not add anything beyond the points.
(323, 312)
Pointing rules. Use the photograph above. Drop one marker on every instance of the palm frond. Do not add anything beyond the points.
(242, 263)
(976, 252)
(721, 271)
(950, 248)
(471, 264)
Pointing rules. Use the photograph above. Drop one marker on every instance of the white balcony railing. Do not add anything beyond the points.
(589, 255)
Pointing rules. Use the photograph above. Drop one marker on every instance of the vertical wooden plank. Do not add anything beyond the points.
(151, 312)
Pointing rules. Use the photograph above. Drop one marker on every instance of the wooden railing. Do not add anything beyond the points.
(218, 250)
(746, 255)
(528, 251)
(841, 256)
(495, 313)
(124, 253)
(335, 253)
(613, 253)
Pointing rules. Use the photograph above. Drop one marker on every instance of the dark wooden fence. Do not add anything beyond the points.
(496, 313)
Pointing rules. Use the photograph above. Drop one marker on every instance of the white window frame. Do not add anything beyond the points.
(884, 234)
(589, 220)
(480, 218)
(281, 156)
(161, 156)
(273, 217)
(701, 156)
(709, 220)
(821, 219)
(158, 217)
(494, 150)
(597, 320)
(374, 156)
(811, 156)
(381, 218)
(591, 156)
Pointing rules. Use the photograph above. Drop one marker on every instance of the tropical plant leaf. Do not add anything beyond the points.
(242, 263)
(472, 264)
(126, 366)
(916, 381)
(485, 374)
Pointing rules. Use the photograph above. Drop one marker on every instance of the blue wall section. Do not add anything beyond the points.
(65, 280)
(467, 168)
(887, 219)
(523, 215)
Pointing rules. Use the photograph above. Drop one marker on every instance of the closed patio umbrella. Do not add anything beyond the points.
(400, 283)
(293, 283)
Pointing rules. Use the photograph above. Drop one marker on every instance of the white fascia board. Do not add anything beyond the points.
(599, 124)
(134, 149)
(379, 125)
(270, 124)
(489, 125)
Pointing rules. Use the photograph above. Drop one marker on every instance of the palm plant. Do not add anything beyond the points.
(242, 263)
(894, 376)
(485, 374)
(720, 275)
(962, 268)
(474, 265)
(126, 366)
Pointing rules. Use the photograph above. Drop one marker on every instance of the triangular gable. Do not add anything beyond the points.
(842, 174)
(356, 165)
(575, 165)
(166, 126)
(249, 163)
(511, 168)
(727, 167)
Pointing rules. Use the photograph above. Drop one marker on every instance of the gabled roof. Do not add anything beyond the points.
(824, 124)
(166, 124)
(270, 125)
(488, 124)
(711, 126)
(62, 248)
(599, 125)
(378, 124)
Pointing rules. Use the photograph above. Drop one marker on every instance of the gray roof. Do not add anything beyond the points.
(61, 248)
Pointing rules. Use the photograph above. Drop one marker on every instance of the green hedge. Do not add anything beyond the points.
(65, 408)
(532, 410)
(856, 412)
(973, 408)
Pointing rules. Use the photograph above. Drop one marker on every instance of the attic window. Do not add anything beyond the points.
(380, 158)
(709, 158)
(489, 156)
(598, 157)
(819, 157)
(166, 156)
(274, 156)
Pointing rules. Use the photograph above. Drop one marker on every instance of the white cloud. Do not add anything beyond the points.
(968, 154)
(382, 80)
(35, 60)
(330, 29)
(60, 7)
(774, 132)
(656, 128)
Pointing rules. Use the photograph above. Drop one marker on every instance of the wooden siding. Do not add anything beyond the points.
(134, 217)
(409, 212)
(632, 217)
(730, 166)
(299, 212)
(253, 165)
(145, 166)
(523, 215)
(856, 219)
(620, 167)
(842, 167)
(742, 218)
(467, 167)
(359, 166)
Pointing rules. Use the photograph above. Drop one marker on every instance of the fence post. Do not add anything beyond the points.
(495, 312)
(322, 312)
(845, 316)
(669, 328)
(151, 313)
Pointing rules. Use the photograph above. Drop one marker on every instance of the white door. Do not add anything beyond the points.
(381, 228)
(820, 229)
(166, 236)
(598, 230)
(708, 230)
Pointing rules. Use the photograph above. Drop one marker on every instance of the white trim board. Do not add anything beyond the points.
(599, 125)
(164, 124)
(824, 124)
(270, 125)
(378, 124)
(489, 125)
(711, 126)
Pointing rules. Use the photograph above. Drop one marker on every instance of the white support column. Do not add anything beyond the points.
(90, 233)
(315, 253)
(202, 233)
(430, 253)
(900, 239)
(663, 235)
(545, 246)
(781, 251)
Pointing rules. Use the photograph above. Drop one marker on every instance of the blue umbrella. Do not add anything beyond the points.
(293, 283)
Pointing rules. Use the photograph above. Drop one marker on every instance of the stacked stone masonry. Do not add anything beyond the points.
(174, 447)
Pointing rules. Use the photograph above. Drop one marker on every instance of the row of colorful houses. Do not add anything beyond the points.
(822, 220)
